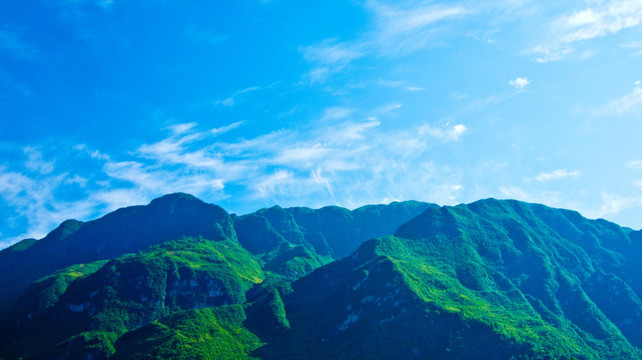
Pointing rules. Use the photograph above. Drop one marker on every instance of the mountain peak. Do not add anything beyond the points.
(178, 197)
(65, 228)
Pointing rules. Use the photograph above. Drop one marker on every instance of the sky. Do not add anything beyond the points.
(248, 104)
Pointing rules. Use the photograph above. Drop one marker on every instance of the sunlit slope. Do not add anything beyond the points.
(494, 278)
(491, 279)
(126, 293)
(123, 231)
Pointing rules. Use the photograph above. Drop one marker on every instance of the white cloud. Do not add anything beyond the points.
(182, 150)
(330, 51)
(336, 112)
(446, 132)
(33, 199)
(400, 84)
(112, 199)
(227, 102)
(231, 101)
(515, 192)
(556, 175)
(387, 109)
(226, 128)
(407, 27)
(637, 45)
(634, 164)
(94, 154)
(268, 185)
(318, 178)
(519, 83)
(340, 161)
(397, 29)
(623, 105)
(306, 156)
(77, 180)
(350, 131)
(155, 182)
(602, 19)
(613, 204)
(36, 163)
(180, 129)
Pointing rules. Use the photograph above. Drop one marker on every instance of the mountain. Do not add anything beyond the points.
(125, 230)
(180, 278)
(492, 279)
(136, 228)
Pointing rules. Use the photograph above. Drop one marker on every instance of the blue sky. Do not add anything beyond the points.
(247, 104)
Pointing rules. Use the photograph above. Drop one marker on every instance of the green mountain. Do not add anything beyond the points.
(136, 228)
(124, 231)
(183, 279)
(493, 279)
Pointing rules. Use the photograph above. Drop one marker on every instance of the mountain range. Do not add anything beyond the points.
(183, 279)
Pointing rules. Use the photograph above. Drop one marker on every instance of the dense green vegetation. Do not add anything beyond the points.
(183, 279)
(212, 333)
(126, 230)
(127, 292)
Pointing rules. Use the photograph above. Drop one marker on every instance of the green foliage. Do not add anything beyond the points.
(267, 316)
(45, 292)
(97, 344)
(491, 279)
(134, 289)
(216, 333)
(293, 242)
(126, 230)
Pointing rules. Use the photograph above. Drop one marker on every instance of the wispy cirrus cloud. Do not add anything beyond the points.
(445, 132)
(406, 27)
(601, 19)
(634, 164)
(231, 100)
(556, 175)
(397, 29)
(613, 203)
(32, 199)
(342, 160)
(624, 105)
(36, 162)
(400, 85)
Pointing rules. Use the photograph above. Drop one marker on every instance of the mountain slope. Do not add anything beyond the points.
(491, 279)
(128, 292)
(294, 241)
(494, 277)
(173, 216)
(126, 230)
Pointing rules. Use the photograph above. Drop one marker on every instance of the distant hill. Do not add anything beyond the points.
(180, 278)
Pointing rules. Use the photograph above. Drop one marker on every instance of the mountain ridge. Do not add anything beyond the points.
(125, 230)
(499, 278)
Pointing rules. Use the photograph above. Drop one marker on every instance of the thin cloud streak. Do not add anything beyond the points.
(398, 30)
(624, 105)
(556, 175)
(568, 31)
